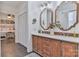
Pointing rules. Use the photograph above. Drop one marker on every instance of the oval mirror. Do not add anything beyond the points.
(66, 15)
(46, 18)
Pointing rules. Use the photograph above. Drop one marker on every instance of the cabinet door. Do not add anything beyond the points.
(34, 42)
(55, 48)
(39, 47)
(46, 47)
(69, 49)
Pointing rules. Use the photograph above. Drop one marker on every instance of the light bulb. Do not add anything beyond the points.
(9, 17)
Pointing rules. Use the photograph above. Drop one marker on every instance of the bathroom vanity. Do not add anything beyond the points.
(55, 46)
(64, 44)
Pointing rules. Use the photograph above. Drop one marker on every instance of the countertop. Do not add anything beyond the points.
(59, 37)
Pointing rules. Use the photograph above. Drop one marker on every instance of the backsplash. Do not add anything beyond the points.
(66, 34)
(43, 32)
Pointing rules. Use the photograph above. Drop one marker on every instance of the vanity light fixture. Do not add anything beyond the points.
(47, 4)
(41, 5)
(10, 16)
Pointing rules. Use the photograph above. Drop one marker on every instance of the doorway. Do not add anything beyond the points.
(9, 46)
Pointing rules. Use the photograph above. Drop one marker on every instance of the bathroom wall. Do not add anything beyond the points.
(36, 13)
(53, 7)
(33, 12)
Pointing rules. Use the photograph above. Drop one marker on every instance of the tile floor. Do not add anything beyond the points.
(32, 55)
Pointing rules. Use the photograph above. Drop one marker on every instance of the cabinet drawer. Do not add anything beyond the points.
(69, 49)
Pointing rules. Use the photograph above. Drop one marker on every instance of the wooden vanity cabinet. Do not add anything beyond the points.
(48, 47)
(69, 49)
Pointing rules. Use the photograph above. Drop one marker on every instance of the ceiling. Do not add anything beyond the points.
(10, 6)
(13, 6)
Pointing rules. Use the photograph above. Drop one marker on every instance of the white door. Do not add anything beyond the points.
(23, 28)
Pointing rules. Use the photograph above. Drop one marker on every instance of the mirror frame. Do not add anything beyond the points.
(76, 17)
(51, 18)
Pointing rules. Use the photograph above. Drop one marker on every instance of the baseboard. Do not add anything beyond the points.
(22, 45)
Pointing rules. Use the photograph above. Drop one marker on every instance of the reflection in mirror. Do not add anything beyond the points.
(66, 15)
(71, 18)
(46, 18)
